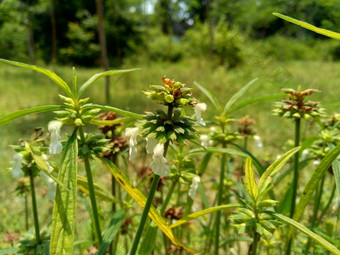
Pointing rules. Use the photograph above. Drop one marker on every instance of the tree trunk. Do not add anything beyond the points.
(102, 44)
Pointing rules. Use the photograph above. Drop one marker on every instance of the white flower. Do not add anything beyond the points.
(258, 142)
(304, 154)
(17, 166)
(132, 133)
(150, 145)
(316, 162)
(193, 187)
(199, 108)
(50, 168)
(158, 164)
(204, 140)
(54, 127)
(51, 186)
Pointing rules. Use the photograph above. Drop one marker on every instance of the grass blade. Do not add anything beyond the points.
(317, 238)
(5, 119)
(250, 183)
(195, 215)
(237, 95)
(336, 171)
(62, 84)
(99, 192)
(95, 77)
(116, 110)
(210, 95)
(64, 210)
(141, 200)
(253, 100)
(308, 26)
(314, 181)
(148, 242)
(216, 150)
(111, 231)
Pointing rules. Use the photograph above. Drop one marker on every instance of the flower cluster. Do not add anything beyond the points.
(94, 146)
(171, 93)
(296, 106)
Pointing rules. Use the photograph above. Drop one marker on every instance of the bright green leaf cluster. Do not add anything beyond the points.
(94, 146)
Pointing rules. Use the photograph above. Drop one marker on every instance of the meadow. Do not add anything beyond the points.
(23, 89)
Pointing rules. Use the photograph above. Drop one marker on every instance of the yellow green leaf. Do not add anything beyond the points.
(251, 185)
(141, 200)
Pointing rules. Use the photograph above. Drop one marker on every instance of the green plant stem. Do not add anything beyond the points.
(327, 205)
(113, 246)
(34, 208)
(26, 212)
(255, 243)
(91, 189)
(296, 167)
(168, 196)
(149, 199)
(295, 179)
(219, 201)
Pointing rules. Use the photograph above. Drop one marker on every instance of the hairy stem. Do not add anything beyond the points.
(91, 190)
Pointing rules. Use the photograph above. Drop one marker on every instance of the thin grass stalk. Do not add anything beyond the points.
(149, 199)
(34, 209)
(26, 212)
(219, 202)
(327, 205)
(91, 190)
(114, 242)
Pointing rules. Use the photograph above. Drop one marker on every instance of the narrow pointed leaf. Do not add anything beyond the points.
(253, 100)
(256, 162)
(148, 242)
(95, 77)
(111, 122)
(314, 181)
(216, 150)
(15, 115)
(141, 200)
(195, 215)
(250, 182)
(276, 166)
(237, 96)
(40, 161)
(65, 204)
(116, 110)
(336, 171)
(210, 95)
(62, 84)
(111, 231)
(99, 192)
(308, 26)
(317, 238)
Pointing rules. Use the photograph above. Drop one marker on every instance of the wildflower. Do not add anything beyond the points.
(316, 162)
(193, 187)
(204, 140)
(258, 142)
(51, 186)
(49, 167)
(17, 166)
(304, 154)
(54, 128)
(150, 145)
(132, 133)
(158, 164)
(199, 108)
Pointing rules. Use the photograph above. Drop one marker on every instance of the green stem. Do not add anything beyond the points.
(34, 208)
(168, 196)
(295, 178)
(26, 212)
(150, 198)
(255, 243)
(114, 242)
(91, 189)
(219, 202)
(327, 205)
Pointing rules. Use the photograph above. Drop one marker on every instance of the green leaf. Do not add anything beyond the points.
(99, 192)
(111, 231)
(336, 171)
(250, 182)
(253, 100)
(215, 150)
(117, 110)
(312, 184)
(95, 77)
(275, 167)
(237, 95)
(141, 201)
(256, 162)
(195, 215)
(210, 95)
(111, 122)
(40, 161)
(62, 84)
(310, 233)
(65, 203)
(7, 251)
(308, 26)
(14, 115)
(149, 240)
